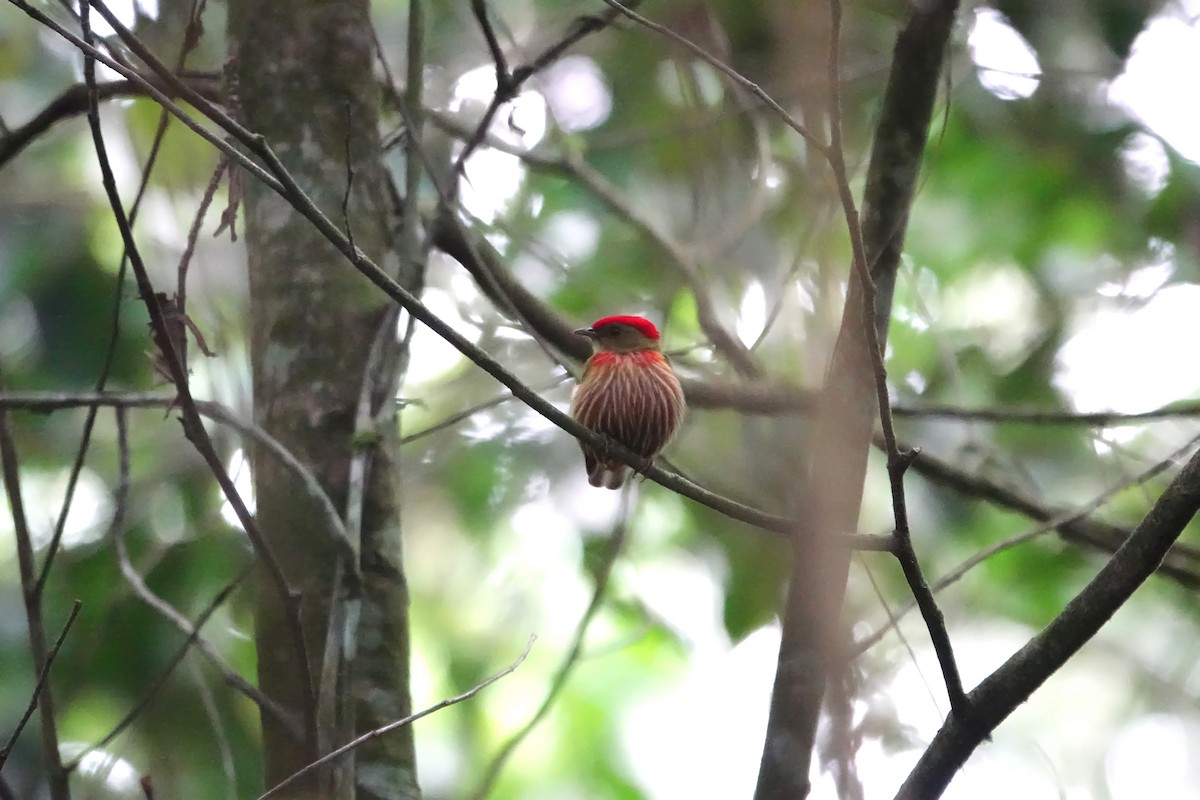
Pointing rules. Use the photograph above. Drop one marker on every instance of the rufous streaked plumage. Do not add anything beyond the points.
(628, 393)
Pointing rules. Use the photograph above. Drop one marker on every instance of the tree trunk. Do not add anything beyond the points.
(301, 75)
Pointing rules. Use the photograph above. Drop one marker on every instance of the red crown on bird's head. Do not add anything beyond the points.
(641, 324)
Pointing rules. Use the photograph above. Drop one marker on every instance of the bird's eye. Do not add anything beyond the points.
(612, 332)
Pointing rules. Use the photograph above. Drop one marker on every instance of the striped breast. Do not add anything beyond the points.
(633, 398)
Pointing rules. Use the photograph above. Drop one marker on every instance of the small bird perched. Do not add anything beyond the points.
(628, 393)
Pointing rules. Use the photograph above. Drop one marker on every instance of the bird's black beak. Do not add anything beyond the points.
(588, 332)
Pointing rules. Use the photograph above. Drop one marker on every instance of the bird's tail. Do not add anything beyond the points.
(609, 475)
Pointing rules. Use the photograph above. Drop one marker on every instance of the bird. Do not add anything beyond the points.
(628, 393)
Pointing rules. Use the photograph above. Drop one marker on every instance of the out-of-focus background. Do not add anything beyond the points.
(1051, 264)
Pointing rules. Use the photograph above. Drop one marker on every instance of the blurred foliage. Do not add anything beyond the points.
(1031, 220)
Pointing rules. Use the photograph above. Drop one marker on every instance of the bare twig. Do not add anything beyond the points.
(608, 557)
(53, 401)
(414, 108)
(1182, 563)
(116, 533)
(728, 345)
(9, 464)
(193, 235)
(467, 413)
(157, 683)
(509, 82)
(366, 737)
(1058, 521)
(897, 461)
(174, 86)
(72, 102)
(43, 676)
(1029, 416)
(626, 10)
(193, 426)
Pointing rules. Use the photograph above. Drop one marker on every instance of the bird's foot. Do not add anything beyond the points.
(643, 468)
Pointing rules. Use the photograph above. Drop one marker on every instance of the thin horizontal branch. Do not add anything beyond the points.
(50, 401)
(765, 397)
(55, 401)
(1030, 416)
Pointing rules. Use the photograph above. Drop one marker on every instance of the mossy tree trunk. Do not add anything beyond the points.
(301, 76)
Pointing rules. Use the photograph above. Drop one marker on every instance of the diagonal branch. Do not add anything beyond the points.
(898, 460)
(276, 177)
(173, 663)
(626, 9)
(42, 677)
(9, 465)
(1059, 521)
(374, 734)
(1020, 676)
(850, 401)
(608, 557)
(192, 425)
(116, 532)
(1182, 563)
(510, 81)
(73, 101)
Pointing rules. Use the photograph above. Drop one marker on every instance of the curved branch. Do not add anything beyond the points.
(73, 102)
(761, 396)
